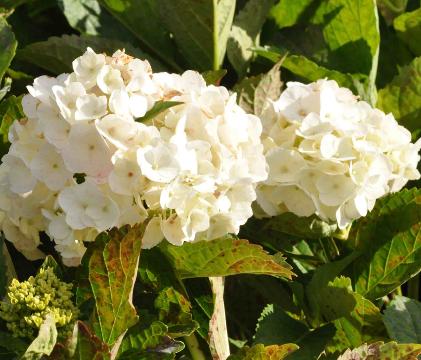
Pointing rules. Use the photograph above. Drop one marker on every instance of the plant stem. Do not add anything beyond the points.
(414, 287)
(218, 333)
(194, 347)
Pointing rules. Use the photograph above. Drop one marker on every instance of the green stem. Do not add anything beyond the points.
(414, 287)
(194, 347)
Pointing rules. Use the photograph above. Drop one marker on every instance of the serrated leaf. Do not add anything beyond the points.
(261, 352)
(275, 326)
(112, 274)
(356, 319)
(57, 53)
(402, 96)
(223, 257)
(142, 18)
(402, 318)
(7, 270)
(45, 341)
(245, 33)
(151, 339)
(159, 107)
(269, 88)
(321, 278)
(389, 239)
(89, 18)
(175, 311)
(287, 13)
(10, 110)
(8, 46)
(408, 28)
(350, 29)
(380, 351)
(306, 227)
(81, 345)
(200, 29)
(214, 77)
(308, 69)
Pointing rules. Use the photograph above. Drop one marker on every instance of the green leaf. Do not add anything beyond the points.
(175, 311)
(261, 352)
(305, 227)
(402, 318)
(8, 46)
(408, 28)
(44, 342)
(112, 274)
(275, 326)
(245, 33)
(288, 13)
(141, 340)
(402, 96)
(357, 320)
(214, 77)
(389, 241)
(269, 88)
(89, 18)
(159, 107)
(57, 53)
(7, 84)
(223, 257)
(200, 29)
(10, 110)
(11, 346)
(142, 18)
(7, 270)
(393, 350)
(50, 262)
(308, 70)
(351, 31)
(380, 351)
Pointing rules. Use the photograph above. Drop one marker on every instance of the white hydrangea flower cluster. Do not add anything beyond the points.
(80, 163)
(330, 154)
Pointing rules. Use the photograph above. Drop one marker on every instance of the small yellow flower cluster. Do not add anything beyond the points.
(30, 301)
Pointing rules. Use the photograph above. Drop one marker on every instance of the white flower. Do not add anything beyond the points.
(109, 79)
(87, 66)
(87, 152)
(82, 161)
(330, 154)
(48, 166)
(86, 206)
(90, 107)
(158, 163)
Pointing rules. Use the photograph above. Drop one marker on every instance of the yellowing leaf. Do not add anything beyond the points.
(223, 257)
(112, 274)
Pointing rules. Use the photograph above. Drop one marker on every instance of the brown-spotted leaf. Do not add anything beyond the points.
(82, 345)
(380, 351)
(222, 257)
(261, 352)
(112, 274)
(389, 240)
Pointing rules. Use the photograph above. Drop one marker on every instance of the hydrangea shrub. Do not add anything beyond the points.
(231, 179)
